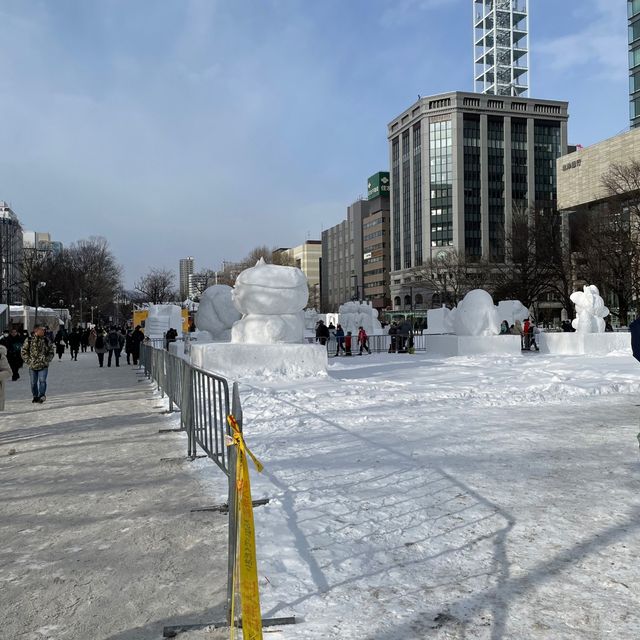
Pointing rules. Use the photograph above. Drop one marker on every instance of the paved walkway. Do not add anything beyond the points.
(98, 542)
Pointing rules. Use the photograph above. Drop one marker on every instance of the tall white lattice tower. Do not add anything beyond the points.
(501, 38)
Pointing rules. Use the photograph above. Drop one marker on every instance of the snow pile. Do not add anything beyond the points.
(271, 299)
(217, 313)
(590, 310)
(512, 311)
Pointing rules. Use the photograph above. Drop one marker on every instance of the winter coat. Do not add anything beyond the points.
(14, 345)
(37, 352)
(136, 338)
(100, 346)
(362, 337)
(91, 340)
(5, 373)
(114, 340)
(74, 340)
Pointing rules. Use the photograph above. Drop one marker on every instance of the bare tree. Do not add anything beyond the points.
(531, 257)
(451, 276)
(157, 286)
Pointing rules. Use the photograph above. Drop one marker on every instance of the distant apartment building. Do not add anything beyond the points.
(342, 273)
(187, 266)
(10, 255)
(198, 283)
(461, 163)
(633, 13)
(376, 235)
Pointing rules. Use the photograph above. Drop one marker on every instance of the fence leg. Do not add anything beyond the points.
(186, 415)
(236, 411)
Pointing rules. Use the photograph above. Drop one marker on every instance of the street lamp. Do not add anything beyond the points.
(39, 285)
(92, 308)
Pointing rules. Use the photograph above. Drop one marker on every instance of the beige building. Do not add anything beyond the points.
(307, 258)
(580, 173)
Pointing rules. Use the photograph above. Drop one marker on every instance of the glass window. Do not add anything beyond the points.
(633, 7)
(634, 58)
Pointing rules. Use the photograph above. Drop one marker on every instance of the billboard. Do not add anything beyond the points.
(378, 185)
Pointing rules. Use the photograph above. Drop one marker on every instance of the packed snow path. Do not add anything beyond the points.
(97, 538)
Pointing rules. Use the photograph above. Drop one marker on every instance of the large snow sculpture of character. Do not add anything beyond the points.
(590, 310)
(217, 313)
(359, 314)
(476, 315)
(271, 299)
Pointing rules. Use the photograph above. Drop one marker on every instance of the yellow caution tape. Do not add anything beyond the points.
(246, 559)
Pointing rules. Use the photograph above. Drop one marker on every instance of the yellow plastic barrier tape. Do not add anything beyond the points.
(246, 560)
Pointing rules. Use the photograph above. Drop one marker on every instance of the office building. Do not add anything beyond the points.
(40, 241)
(10, 256)
(460, 164)
(186, 269)
(633, 12)
(375, 242)
(501, 42)
(342, 268)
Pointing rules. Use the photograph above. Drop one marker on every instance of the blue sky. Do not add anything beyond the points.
(208, 127)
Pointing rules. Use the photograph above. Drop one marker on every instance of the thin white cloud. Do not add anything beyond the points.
(599, 45)
(402, 11)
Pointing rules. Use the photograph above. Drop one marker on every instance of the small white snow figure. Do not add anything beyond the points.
(590, 310)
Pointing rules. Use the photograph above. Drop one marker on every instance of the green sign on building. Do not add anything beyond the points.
(378, 185)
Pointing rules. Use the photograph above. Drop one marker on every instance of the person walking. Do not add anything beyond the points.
(363, 340)
(100, 346)
(75, 338)
(91, 340)
(322, 332)
(5, 373)
(61, 342)
(84, 339)
(13, 342)
(137, 338)
(128, 345)
(115, 342)
(339, 340)
(37, 351)
(170, 337)
(347, 344)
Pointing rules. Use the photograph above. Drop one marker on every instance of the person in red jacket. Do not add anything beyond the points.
(363, 340)
(347, 344)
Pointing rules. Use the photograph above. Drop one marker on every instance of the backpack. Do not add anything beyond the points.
(99, 342)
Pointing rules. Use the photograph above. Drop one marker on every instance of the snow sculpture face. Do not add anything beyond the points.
(476, 315)
(216, 313)
(590, 310)
(270, 289)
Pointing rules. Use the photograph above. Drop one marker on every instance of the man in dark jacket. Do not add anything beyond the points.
(136, 339)
(13, 342)
(37, 352)
(322, 332)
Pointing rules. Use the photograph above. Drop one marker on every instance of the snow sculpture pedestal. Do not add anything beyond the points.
(263, 361)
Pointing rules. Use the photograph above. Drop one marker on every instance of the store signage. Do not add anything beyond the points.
(571, 165)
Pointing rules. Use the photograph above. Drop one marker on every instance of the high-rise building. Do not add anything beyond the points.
(186, 270)
(460, 164)
(41, 241)
(341, 268)
(501, 40)
(633, 12)
(375, 241)
(10, 255)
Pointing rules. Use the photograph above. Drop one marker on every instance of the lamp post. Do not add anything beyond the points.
(92, 308)
(39, 285)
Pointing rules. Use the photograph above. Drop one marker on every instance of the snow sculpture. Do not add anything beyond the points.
(161, 318)
(217, 313)
(310, 319)
(359, 314)
(438, 321)
(271, 299)
(476, 315)
(590, 310)
(512, 310)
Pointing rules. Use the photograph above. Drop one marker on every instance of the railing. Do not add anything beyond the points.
(379, 344)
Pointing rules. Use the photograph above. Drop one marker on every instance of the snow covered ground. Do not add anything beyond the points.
(411, 497)
(470, 497)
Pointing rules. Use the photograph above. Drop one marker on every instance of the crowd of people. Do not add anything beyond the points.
(38, 349)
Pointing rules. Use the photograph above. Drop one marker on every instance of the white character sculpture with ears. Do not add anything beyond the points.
(590, 310)
(271, 299)
(216, 313)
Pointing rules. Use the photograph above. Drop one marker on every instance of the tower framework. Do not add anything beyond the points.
(501, 39)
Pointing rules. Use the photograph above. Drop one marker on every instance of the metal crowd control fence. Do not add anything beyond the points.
(203, 400)
(377, 344)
